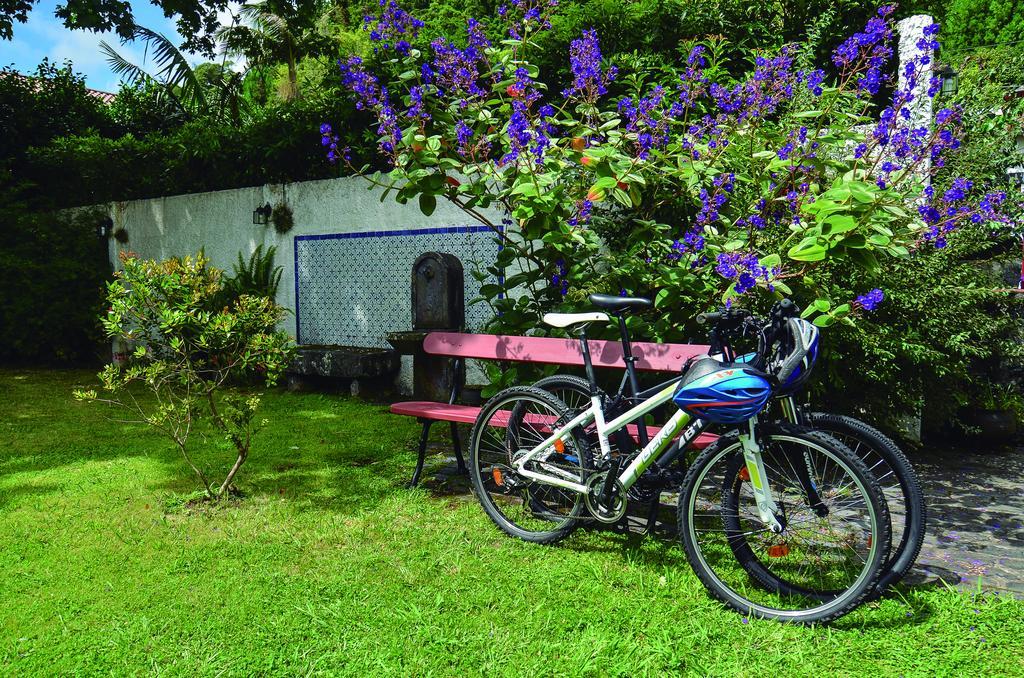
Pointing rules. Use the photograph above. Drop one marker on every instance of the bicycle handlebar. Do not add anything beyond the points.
(718, 316)
(729, 321)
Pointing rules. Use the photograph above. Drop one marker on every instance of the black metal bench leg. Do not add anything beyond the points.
(457, 444)
(423, 454)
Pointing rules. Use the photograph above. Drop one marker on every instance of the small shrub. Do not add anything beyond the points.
(186, 351)
(256, 277)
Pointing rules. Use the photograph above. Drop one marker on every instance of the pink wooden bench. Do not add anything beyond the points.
(541, 350)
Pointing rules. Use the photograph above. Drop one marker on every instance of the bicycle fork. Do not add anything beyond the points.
(792, 413)
(767, 509)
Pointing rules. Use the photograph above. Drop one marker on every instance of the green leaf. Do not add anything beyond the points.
(864, 258)
(855, 241)
(896, 211)
(622, 197)
(490, 291)
(839, 223)
(808, 250)
(821, 305)
(525, 187)
(862, 192)
(428, 204)
(823, 320)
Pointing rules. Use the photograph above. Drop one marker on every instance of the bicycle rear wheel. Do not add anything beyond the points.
(898, 481)
(513, 422)
(829, 559)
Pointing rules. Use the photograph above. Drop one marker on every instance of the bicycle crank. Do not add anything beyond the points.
(606, 511)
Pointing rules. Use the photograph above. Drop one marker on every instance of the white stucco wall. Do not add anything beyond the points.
(220, 222)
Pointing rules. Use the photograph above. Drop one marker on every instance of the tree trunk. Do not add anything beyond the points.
(293, 76)
(242, 455)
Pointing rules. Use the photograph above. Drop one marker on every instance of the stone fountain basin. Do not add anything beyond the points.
(347, 362)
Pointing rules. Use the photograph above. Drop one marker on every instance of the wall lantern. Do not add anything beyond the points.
(104, 228)
(1015, 175)
(950, 80)
(261, 215)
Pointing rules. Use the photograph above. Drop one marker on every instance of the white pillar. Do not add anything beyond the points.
(911, 31)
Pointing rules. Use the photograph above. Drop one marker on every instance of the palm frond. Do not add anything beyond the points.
(264, 19)
(122, 67)
(174, 69)
(136, 75)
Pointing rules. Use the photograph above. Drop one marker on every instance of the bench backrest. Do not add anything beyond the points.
(553, 351)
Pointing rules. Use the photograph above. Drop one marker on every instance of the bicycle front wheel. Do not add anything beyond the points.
(835, 537)
(511, 424)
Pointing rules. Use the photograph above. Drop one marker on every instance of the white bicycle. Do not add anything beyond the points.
(790, 503)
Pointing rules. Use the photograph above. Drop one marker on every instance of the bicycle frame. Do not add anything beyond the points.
(679, 421)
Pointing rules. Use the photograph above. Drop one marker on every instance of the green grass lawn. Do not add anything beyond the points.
(329, 565)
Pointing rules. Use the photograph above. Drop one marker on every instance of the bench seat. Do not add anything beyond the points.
(460, 346)
(424, 409)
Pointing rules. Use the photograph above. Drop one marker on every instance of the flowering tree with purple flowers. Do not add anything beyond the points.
(696, 188)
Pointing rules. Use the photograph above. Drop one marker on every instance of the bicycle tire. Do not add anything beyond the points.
(513, 399)
(904, 554)
(822, 608)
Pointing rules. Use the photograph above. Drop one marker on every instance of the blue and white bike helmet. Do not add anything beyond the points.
(796, 355)
(722, 393)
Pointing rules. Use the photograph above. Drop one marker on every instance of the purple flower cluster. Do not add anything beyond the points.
(394, 28)
(464, 135)
(692, 241)
(815, 79)
(745, 269)
(711, 203)
(364, 85)
(416, 109)
(871, 300)
(455, 71)
(560, 279)
(584, 210)
(520, 134)
(648, 119)
(898, 145)
(329, 140)
(864, 55)
(369, 95)
(760, 95)
(526, 16)
(589, 81)
(650, 116)
(477, 38)
(957, 206)
(692, 81)
(523, 88)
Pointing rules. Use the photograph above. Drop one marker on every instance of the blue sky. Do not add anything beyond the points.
(45, 36)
